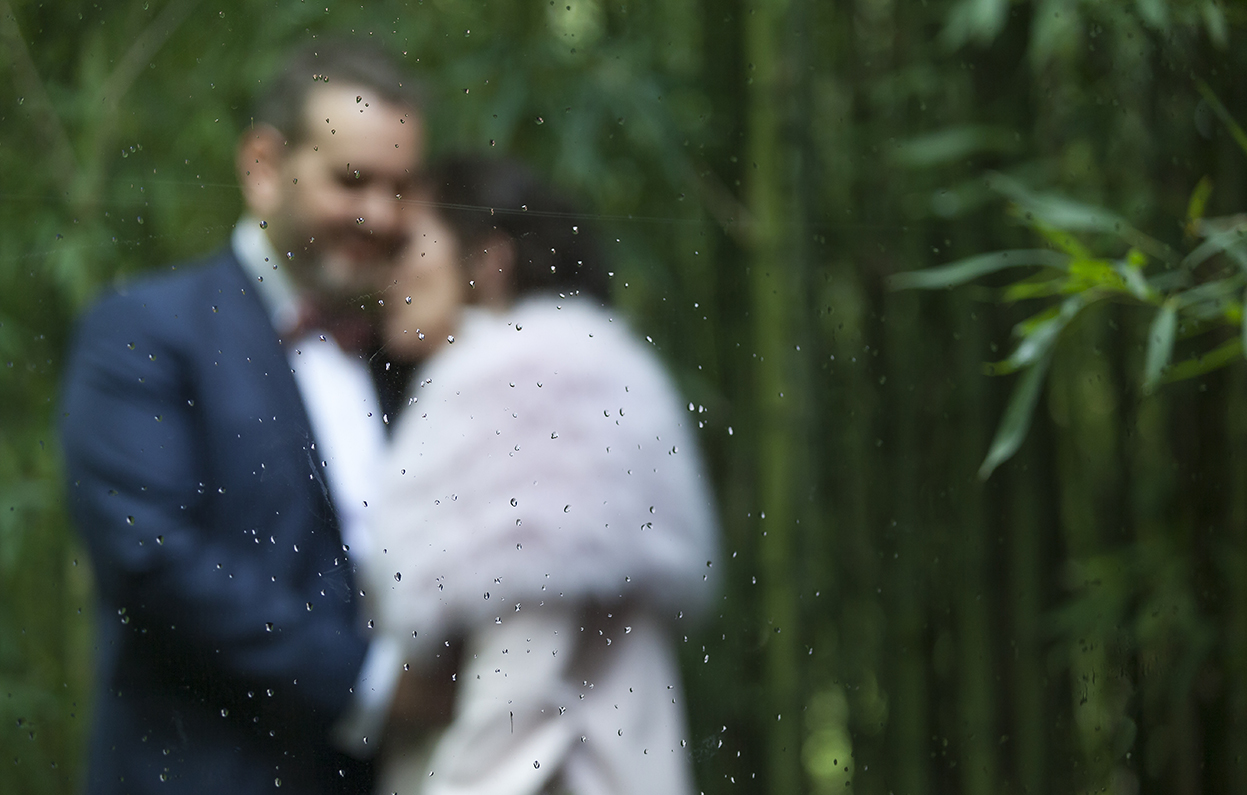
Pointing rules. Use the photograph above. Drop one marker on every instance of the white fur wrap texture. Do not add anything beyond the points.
(546, 457)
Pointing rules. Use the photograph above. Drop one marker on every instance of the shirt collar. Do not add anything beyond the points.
(260, 261)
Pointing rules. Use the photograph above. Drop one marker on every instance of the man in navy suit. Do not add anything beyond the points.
(218, 423)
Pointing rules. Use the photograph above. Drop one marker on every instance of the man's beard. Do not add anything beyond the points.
(342, 281)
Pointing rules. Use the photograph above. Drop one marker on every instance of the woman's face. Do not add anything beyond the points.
(430, 285)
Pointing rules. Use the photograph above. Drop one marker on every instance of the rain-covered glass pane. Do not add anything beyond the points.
(613, 397)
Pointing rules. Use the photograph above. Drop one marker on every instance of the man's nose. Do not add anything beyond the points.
(381, 213)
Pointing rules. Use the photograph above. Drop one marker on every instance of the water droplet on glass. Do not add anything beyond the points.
(408, 299)
(450, 337)
(264, 224)
(359, 220)
(487, 595)
(130, 520)
(514, 502)
(536, 764)
(398, 576)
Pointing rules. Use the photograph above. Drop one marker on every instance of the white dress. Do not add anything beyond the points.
(544, 500)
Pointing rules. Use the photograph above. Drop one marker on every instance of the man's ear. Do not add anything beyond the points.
(492, 271)
(258, 160)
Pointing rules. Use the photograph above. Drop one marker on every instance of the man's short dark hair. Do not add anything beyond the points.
(281, 102)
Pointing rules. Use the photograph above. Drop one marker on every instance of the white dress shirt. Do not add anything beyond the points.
(345, 415)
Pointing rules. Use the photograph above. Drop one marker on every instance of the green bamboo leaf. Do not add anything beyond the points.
(1214, 20)
(1069, 215)
(1212, 360)
(1136, 282)
(1236, 131)
(1217, 292)
(977, 20)
(1159, 345)
(1058, 211)
(1062, 240)
(1243, 323)
(962, 271)
(1031, 288)
(1017, 418)
(1095, 273)
(952, 145)
(1038, 333)
(1199, 199)
(1154, 12)
(1232, 242)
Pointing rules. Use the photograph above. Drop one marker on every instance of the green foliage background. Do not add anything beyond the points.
(890, 623)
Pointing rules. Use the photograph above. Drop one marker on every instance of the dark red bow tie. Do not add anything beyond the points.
(353, 331)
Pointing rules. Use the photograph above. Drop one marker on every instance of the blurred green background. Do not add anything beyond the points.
(761, 169)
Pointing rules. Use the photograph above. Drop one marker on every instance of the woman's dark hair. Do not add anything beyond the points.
(554, 249)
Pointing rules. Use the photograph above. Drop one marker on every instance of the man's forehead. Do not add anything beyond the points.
(357, 116)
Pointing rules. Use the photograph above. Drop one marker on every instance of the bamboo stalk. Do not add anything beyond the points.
(1026, 571)
(1235, 623)
(976, 696)
(774, 299)
(910, 726)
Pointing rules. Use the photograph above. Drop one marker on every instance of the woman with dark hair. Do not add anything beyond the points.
(544, 503)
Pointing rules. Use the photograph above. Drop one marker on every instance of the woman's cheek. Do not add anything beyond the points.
(427, 309)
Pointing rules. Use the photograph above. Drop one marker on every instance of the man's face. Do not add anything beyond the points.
(337, 213)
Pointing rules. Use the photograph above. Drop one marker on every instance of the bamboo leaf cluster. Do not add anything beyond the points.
(1198, 295)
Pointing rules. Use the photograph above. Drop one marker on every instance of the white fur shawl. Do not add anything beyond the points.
(546, 458)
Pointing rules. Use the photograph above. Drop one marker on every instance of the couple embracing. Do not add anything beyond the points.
(382, 497)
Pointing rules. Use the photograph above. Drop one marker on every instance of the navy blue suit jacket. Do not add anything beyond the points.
(228, 641)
